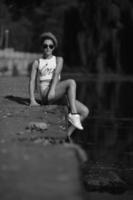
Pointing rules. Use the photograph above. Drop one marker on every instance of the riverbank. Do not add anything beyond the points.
(36, 162)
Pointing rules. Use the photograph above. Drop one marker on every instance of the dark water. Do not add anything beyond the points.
(108, 134)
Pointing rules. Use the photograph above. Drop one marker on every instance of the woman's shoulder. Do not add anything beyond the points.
(36, 62)
(39, 60)
(59, 59)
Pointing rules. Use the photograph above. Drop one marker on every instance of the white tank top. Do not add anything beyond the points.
(46, 68)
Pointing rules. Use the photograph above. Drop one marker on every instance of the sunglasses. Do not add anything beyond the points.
(45, 46)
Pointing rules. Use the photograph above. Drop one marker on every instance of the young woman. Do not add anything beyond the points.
(48, 68)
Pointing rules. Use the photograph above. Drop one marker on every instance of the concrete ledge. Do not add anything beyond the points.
(39, 173)
(32, 168)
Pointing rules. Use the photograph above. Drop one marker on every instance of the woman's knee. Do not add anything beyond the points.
(72, 83)
(85, 112)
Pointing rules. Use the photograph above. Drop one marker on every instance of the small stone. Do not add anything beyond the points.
(20, 133)
(62, 127)
(9, 114)
(46, 142)
(5, 116)
(37, 126)
(37, 141)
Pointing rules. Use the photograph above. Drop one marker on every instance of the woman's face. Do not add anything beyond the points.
(48, 47)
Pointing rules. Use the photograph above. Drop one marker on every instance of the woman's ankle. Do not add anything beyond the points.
(74, 113)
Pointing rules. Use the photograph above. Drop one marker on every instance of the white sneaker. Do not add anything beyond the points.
(75, 121)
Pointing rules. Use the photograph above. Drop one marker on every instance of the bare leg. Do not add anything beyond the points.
(83, 111)
(67, 87)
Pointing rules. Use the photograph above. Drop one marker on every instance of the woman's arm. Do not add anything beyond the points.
(32, 83)
(59, 66)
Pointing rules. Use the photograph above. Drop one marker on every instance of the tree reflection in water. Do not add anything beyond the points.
(108, 137)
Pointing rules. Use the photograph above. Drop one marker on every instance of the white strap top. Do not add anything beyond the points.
(46, 68)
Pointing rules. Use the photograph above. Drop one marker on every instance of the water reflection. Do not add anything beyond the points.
(108, 134)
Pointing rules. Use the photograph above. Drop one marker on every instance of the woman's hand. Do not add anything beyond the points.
(34, 103)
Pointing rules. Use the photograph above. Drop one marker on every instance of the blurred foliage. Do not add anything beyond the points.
(86, 29)
(26, 20)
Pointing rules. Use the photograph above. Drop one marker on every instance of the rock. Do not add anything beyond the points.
(46, 142)
(103, 179)
(20, 133)
(37, 141)
(37, 126)
(9, 114)
(4, 116)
